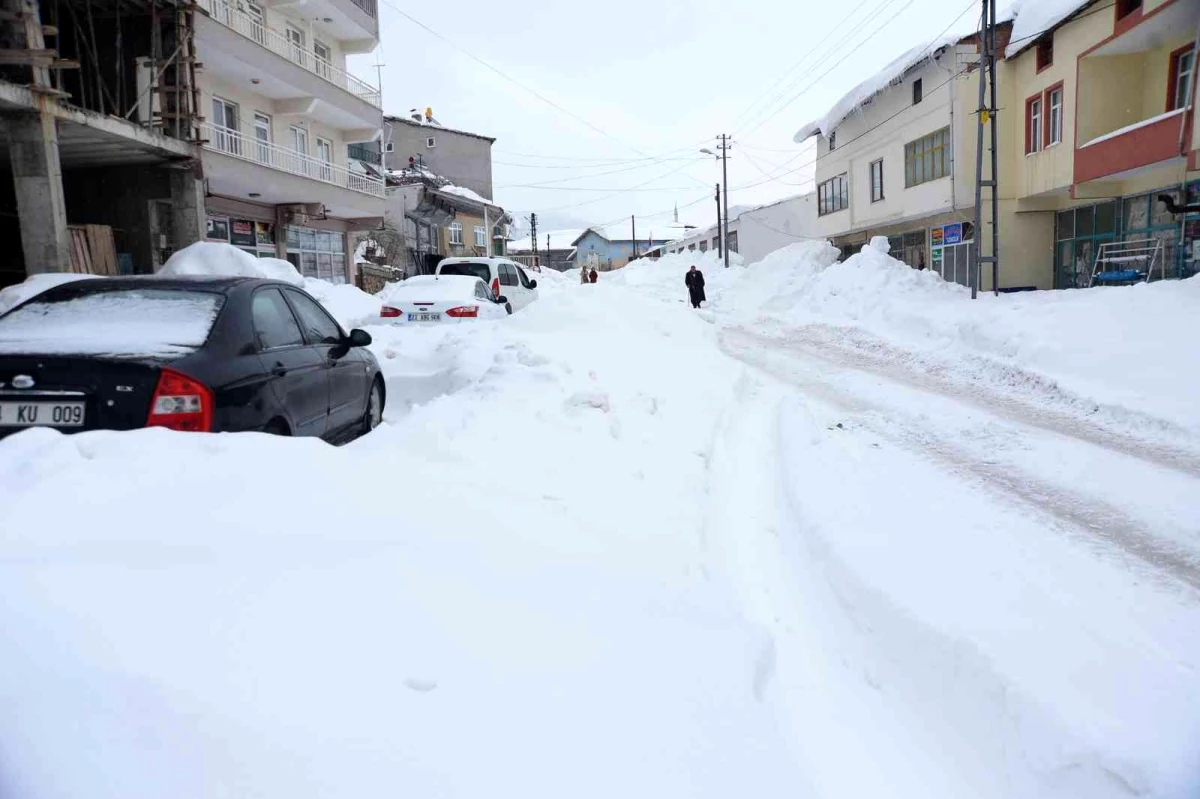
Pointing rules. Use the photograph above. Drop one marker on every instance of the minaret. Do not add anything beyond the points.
(677, 212)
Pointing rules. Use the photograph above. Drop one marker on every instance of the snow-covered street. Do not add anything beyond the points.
(807, 541)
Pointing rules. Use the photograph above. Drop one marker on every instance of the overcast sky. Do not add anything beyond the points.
(659, 79)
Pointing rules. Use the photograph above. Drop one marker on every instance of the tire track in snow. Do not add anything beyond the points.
(1172, 447)
(1084, 515)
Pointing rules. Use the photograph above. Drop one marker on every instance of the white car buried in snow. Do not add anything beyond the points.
(433, 299)
(502, 275)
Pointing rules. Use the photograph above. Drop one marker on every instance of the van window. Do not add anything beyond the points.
(524, 278)
(467, 269)
(508, 275)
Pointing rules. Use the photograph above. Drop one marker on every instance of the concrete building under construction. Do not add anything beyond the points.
(123, 148)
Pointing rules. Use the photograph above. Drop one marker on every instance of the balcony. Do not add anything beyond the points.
(253, 29)
(1142, 144)
(361, 152)
(236, 144)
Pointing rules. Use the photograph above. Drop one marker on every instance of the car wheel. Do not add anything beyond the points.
(374, 413)
(277, 427)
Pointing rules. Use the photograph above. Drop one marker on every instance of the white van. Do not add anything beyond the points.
(506, 279)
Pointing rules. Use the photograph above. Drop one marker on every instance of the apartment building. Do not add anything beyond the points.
(1102, 123)
(896, 158)
(281, 112)
(462, 157)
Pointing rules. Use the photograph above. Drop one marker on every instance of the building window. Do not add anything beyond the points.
(317, 253)
(323, 58)
(704, 245)
(1127, 7)
(832, 140)
(225, 121)
(480, 236)
(262, 137)
(1033, 125)
(833, 195)
(716, 241)
(456, 233)
(1045, 51)
(1183, 70)
(325, 156)
(1054, 123)
(918, 91)
(927, 158)
(731, 242)
(300, 140)
(877, 180)
(431, 142)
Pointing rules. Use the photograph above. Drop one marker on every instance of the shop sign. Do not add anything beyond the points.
(953, 233)
(241, 233)
(217, 229)
(936, 237)
(937, 258)
(265, 232)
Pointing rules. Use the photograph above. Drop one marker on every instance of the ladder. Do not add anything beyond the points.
(1123, 263)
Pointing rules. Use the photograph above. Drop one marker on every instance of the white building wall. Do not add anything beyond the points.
(762, 231)
(880, 130)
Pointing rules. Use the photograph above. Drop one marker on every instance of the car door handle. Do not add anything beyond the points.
(280, 370)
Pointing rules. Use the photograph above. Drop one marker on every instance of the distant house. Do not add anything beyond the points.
(611, 247)
(754, 231)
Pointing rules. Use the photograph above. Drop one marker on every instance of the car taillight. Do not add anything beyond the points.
(464, 312)
(181, 403)
(496, 286)
(388, 312)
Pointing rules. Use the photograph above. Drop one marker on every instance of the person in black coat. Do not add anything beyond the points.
(694, 280)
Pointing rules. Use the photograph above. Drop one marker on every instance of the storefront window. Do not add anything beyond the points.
(318, 253)
(1106, 218)
(1066, 225)
(256, 238)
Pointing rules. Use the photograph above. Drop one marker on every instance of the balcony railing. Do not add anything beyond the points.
(361, 152)
(248, 148)
(366, 5)
(254, 29)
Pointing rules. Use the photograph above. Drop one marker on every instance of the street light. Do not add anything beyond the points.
(707, 151)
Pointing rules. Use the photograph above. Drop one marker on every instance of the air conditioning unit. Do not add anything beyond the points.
(389, 147)
(295, 213)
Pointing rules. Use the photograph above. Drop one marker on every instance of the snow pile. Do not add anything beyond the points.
(463, 191)
(502, 591)
(348, 304)
(213, 259)
(12, 296)
(129, 323)
(1067, 338)
(663, 277)
(1035, 17)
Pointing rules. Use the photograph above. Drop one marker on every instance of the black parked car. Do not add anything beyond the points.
(204, 354)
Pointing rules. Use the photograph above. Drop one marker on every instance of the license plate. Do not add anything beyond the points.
(41, 414)
(424, 317)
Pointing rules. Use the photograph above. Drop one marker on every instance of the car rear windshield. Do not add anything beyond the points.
(480, 271)
(129, 323)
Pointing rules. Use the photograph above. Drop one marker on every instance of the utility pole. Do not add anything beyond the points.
(724, 148)
(720, 230)
(633, 228)
(533, 235)
(987, 119)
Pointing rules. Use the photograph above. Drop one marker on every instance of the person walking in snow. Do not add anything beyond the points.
(694, 280)
(583, 276)
(592, 276)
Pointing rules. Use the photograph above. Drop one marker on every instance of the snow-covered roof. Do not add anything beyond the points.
(559, 239)
(1035, 17)
(890, 75)
(462, 191)
(646, 231)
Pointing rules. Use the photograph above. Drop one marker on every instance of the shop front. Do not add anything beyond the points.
(317, 248)
(1081, 232)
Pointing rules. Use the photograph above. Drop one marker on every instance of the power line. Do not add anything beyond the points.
(818, 52)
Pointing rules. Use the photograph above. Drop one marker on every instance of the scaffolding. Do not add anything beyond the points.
(113, 57)
(1123, 263)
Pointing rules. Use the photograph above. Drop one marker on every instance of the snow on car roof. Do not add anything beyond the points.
(124, 323)
(432, 287)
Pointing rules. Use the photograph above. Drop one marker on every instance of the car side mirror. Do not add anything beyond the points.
(359, 338)
(532, 284)
(502, 300)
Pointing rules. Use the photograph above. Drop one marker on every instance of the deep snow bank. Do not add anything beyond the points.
(1118, 346)
(503, 591)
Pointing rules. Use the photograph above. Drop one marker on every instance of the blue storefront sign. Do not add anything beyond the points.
(952, 234)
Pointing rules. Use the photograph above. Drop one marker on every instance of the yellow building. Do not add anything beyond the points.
(1097, 121)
